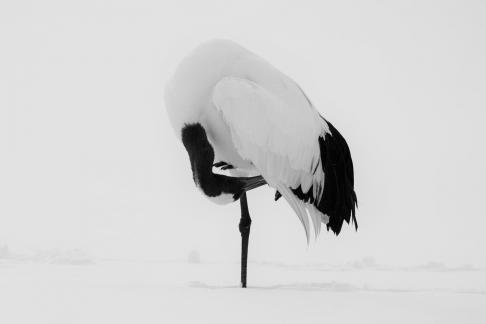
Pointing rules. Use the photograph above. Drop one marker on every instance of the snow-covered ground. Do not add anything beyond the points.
(57, 290)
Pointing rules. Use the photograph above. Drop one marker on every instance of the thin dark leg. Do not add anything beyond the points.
(245, 223)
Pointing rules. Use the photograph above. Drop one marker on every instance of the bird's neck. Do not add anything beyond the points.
(201, 154)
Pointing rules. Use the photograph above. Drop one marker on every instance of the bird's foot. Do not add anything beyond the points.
(223, 165)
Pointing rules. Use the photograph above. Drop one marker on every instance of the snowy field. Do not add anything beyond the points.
(86, 291)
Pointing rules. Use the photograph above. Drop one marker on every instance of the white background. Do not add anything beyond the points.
(89, 162)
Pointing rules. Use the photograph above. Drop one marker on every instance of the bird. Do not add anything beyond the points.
(235, 112)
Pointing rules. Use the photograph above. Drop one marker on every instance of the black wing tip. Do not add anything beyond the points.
(339, 199)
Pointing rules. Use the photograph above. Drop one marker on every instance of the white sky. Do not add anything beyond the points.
(88, 159)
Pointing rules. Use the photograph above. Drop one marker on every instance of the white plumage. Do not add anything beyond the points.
(276, 135)
(256, 118)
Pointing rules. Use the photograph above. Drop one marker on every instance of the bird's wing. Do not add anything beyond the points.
(280, 139)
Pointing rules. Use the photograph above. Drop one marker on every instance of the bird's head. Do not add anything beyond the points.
(219, 188)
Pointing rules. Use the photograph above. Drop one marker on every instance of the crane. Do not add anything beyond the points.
(234, 111)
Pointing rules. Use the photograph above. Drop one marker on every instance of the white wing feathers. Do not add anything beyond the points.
(280, 139)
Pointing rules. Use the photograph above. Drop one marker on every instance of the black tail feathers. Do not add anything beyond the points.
(338, 199)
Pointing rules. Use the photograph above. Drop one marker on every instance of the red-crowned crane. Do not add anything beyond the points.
(233, 110)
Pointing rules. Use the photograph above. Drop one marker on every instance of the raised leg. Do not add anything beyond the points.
(245, 223)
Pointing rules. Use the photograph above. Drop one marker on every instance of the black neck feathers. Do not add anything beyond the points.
(201, 154)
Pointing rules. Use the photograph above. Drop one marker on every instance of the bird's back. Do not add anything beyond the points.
(188, 93)
(257, 118)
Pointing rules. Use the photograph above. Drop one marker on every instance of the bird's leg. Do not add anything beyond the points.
(245, 223)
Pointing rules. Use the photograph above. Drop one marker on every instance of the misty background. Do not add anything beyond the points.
(89, 161)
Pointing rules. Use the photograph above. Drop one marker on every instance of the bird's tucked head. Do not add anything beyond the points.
(218, 188)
